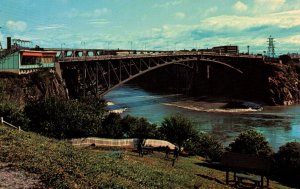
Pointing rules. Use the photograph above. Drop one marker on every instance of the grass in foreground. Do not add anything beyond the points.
(61, 165)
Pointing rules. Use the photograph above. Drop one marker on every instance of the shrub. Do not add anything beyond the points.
(251, 142)
(13, 115)
(287, 159)
(205, 145)
(177, 129)
(111, 126)
(61, 118)
(134, 127)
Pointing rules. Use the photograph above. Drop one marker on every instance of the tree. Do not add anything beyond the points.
(111, 126)
(288, 160)
(62, 118)
(251, 142)
(177, 129)
(205, 145)
(14, 115)
(134, 127)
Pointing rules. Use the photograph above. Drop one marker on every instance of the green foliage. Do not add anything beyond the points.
(60, 118)
(13, 115)
(288, 159)
(205, 145)
(138, 128)
(177, 129)
(111, 126)
(251, 142)
(61, 165)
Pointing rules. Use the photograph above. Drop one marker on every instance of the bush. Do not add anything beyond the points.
(61, 119)
(287, 159)
(138, 128)
(205, 145)
(13, 115)
(111, 126)
(177, 129)
(251, 142)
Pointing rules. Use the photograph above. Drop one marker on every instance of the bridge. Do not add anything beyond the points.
(96, 72)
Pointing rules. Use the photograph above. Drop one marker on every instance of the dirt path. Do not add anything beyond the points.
(13, 178)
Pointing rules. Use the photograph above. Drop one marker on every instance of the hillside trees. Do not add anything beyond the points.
(251, 142)
(177, 129)
(62, 119)
(134, 127)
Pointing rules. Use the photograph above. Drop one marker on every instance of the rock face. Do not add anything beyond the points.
(31, 87)
(283, 85)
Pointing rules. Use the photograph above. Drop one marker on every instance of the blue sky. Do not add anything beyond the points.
(153, 24)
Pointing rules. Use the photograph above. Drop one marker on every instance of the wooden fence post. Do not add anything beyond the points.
(1, 120)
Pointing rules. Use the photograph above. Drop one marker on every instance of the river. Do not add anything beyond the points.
(278, 124)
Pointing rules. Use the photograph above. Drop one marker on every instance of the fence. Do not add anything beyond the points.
(4, 123)
(122, 143)
(104, 142)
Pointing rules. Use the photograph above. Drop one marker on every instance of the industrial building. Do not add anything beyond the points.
(228, 49)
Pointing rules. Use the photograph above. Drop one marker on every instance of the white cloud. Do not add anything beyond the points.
(291, 39)
(207, 12)
(96, 13)
(75, 13)
(285, 19)
(99, 21)
(265, 6)
(49, 27)
(169, 3)
(180, 15)
(16, 25)
(240, 6)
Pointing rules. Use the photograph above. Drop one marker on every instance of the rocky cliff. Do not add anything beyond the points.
(283, 84)
(31, 87)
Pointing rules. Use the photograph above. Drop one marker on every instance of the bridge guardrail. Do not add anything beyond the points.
(150, 55)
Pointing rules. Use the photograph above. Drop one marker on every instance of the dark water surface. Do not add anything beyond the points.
(278, 124)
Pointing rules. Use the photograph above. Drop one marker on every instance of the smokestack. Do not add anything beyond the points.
(8, 42)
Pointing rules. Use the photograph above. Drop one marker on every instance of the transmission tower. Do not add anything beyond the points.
(271, 47)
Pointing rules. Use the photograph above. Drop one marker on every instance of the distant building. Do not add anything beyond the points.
(228, 49)
(22, 60)
(26, 61)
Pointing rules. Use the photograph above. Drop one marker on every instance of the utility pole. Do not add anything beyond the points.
(0, 41)
(271, 47)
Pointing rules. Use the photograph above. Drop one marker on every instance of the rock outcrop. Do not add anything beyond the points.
(283, 85)
(31, 87)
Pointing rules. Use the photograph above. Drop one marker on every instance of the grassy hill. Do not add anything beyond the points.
(60, 165)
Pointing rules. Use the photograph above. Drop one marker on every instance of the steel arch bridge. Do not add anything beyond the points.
(97, 75)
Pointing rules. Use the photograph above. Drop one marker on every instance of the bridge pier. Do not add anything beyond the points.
(207, 71)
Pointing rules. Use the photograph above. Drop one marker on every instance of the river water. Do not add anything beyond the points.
(279, 124)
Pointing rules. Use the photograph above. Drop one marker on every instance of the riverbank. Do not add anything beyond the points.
(60, 165)
(210, 104)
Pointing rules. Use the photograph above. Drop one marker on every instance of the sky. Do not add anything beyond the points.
(153, 24)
